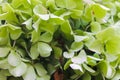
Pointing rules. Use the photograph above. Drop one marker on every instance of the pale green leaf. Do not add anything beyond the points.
(19, 70)
(80, 58)
(76, 67)
(106, 69)
(14, 58)
(41, 11)
(4, 51)
(116, 76)
(69, 54)
(30, 74)
(28, 24)
(78, 38)
(97, 47)
(44, 49)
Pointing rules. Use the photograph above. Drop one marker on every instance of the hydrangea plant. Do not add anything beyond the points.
(59, 39)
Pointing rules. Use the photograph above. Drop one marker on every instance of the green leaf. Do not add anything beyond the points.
(116, 76)
(4, 64)
(28, 24)
(60, 3)
(88, 68)
(15, 31)
(14, 58)
(95, 27)
(44, 49)
(30, 74)
(15, 34)
(66, 4)
(4, 51)
(45, 77)
(76, 46)
(4, 39)
(76, 13)
(34, 51)
(106, 69)
(19, 70)
(57, 52)
(58, 20)
(80, 58)
(46, 37)
(113, 45)
(2, 77)
(86, 76)
(97, 47)
(5, 72)
(69, 3)
(99, 10)
(66, 28)
(41, 11)
(36, 25)
(67, 64)
(79, 38)
(40, 69)
(35, 36)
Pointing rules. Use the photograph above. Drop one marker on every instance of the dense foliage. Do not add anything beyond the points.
(59, 39)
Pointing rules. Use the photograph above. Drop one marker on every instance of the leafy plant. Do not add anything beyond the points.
(59, 39)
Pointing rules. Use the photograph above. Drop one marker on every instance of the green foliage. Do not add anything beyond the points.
(44, 39)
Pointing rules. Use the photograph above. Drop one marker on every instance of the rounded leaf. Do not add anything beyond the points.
(19, 70)
(14, 58)
(44, 49)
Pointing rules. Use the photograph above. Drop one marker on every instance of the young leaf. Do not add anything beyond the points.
(80, 58)
(28, 24)
(76, 67)
(79, 38)
(69, 54)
